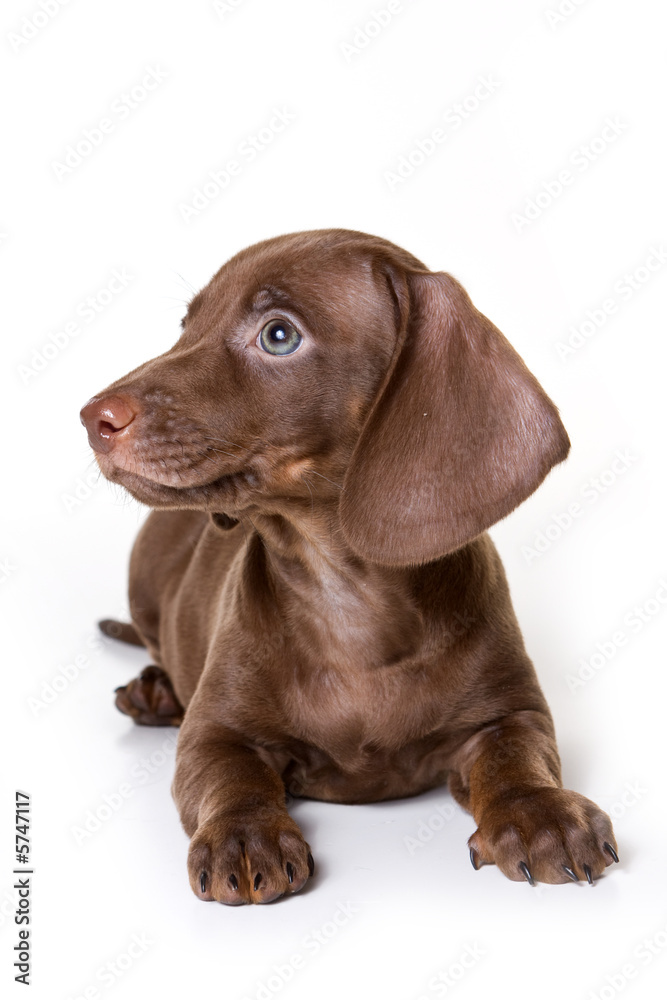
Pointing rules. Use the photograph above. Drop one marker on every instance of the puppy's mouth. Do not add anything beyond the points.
(155, 493)
(160, 455)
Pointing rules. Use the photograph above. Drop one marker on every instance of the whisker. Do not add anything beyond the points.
(235, 444)
(337, 485)
(218, 451)
(312, 502)
(232, 444)
(187, 284)
(97, 469)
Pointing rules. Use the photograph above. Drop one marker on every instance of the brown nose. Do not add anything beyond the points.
(104, 418)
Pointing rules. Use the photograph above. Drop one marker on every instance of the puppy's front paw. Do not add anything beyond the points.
(238, 859)
(544, 835)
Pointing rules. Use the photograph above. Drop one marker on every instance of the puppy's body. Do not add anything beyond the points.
(377, 714)
(325, 447)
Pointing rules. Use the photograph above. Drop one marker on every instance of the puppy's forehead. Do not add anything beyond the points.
(305, 271)
(324, 271)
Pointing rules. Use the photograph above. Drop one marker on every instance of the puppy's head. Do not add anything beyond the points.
(327, 365)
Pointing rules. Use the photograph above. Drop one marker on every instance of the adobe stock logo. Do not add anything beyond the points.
(85, 312)
(624, 289)
(34, 23)
(446, 979)
(427, 829)
(122, 107)
(634, 621)
(365, 33)
(558, 15)
(282, 973)
(642, 955)
(591, 491)
(579, 161)
(222, 7)
(247, 152)
(451, 119)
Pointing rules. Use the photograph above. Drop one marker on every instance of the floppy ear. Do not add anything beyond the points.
(460, 434)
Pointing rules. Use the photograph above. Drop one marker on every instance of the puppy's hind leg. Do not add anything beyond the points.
(150, 699)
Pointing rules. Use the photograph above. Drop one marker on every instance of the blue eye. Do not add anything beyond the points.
(279, 337)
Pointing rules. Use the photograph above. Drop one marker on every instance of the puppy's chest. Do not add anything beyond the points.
(339, 663)
(348, 710)
(354, 674)
(345, 628)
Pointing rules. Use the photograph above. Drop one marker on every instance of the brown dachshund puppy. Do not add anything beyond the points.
(325, 446)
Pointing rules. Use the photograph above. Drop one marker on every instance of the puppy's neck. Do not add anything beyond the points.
(351, 610)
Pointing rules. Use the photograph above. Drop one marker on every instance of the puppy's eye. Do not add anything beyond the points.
(279, 337)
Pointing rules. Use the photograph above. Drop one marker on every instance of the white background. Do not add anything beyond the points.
(413, 911)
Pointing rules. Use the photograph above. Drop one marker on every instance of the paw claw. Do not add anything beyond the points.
(473, 859)
(588, 874)
(570, 873)
(610, 850)
(311, 865)
(290, 872)
(526, 871)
